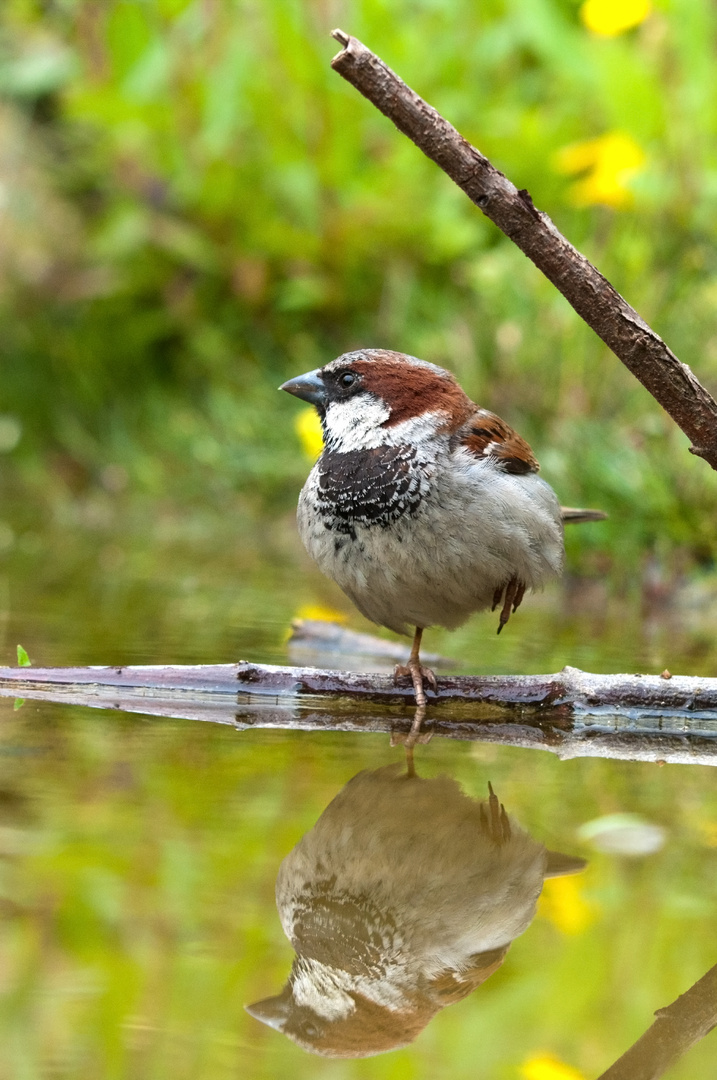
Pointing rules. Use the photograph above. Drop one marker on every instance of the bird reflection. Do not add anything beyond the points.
(402, 899)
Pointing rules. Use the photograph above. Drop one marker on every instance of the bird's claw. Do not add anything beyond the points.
(417, 673)
(428, 673)
(514, 593)
(495, 822)
(401, 738)
(410, 738)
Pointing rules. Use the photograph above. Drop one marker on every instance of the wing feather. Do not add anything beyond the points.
(485, 435)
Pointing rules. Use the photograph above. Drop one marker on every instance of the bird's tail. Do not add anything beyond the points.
(572, 516)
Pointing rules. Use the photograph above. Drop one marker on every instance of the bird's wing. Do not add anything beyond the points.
(451, 986)
(485, 435)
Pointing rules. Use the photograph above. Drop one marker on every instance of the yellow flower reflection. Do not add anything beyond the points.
(548, 1067)
(308, 428)
(612, 17)
(563, 904)
(609, 163)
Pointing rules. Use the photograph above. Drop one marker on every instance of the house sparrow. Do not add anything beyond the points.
(423, 507)
(402, 899)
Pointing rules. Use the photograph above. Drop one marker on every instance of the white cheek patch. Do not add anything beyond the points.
(315, 988)
(356, 424)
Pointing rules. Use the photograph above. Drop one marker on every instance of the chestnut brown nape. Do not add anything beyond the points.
(409, 389)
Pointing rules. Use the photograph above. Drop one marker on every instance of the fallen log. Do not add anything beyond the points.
(571, 712)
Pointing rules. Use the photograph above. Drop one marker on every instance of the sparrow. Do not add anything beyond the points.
(423, 507)
(402, 899)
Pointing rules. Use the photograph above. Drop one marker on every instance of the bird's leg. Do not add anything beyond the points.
(514, 593)
(417, 673)
(413, 737)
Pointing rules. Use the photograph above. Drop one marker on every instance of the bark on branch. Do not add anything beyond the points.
(646, 355)
(570, 713)
(677, 1028)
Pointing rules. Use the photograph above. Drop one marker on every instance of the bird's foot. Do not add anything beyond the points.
(409, 739)
(514, 593)
(417, 673)
(495, 822)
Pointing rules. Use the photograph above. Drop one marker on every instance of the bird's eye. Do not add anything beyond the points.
(346, 379)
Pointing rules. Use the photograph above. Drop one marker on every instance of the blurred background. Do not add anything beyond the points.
(193, 207)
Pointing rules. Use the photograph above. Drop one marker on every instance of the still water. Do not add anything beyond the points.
(139, 856)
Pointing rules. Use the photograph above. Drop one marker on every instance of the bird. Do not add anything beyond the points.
(423, 507)
(402, 899)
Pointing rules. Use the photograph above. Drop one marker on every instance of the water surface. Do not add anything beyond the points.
(138, 856)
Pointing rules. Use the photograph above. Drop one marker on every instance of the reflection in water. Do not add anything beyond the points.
(403, 898)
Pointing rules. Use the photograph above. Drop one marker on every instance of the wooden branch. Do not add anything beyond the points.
(677, 1028)
(669, 381)
(571, 713)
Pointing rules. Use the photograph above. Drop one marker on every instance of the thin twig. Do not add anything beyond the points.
(678, 1027)
(669, 381)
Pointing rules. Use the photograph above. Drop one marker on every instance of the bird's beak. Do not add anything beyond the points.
(274, 1011)
(309, 387)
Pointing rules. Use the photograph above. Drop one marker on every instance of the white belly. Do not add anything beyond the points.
(477, 528)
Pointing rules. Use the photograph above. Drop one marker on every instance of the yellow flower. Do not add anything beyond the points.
(321, 613)
(608, 163)
(308, 428)
(709, 832)
(563, 904)
(612, 17)
(548, 1067)
(314, 613)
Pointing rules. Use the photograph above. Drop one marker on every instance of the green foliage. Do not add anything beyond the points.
(202, 207)
(23, 660)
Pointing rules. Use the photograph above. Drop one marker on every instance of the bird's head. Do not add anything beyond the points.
(374, 396)
(363, 1029)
